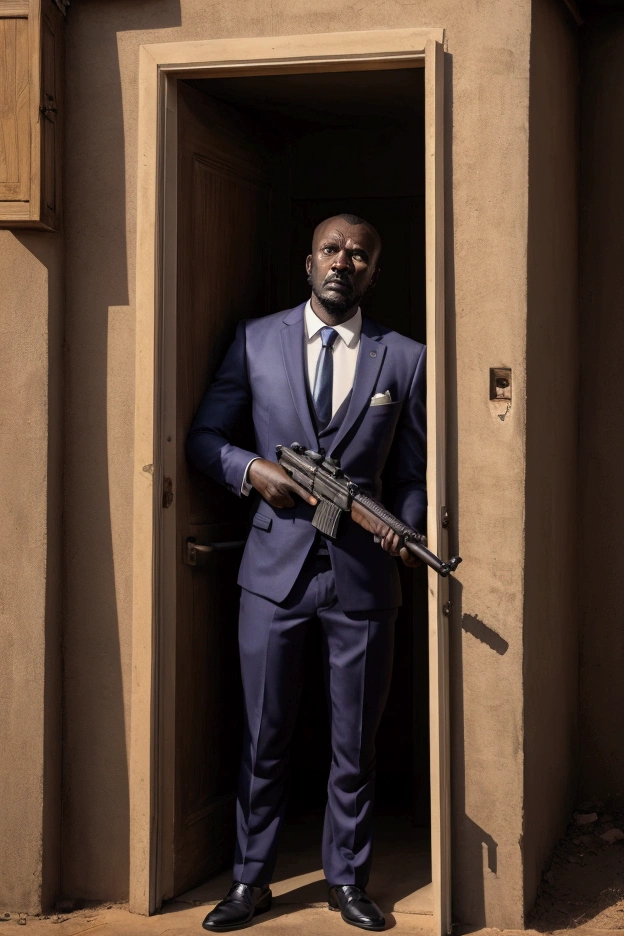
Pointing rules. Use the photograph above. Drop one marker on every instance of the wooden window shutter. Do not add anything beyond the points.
(31, 87)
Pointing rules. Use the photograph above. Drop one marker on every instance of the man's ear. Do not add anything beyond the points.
(374, 277)
(309, 264)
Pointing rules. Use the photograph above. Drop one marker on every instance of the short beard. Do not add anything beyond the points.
(335, 305)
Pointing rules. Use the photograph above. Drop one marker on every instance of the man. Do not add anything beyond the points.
(323, 375)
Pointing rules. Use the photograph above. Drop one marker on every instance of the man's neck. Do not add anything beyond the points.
(331, 318)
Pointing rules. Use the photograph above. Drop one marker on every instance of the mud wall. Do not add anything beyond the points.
(487, 218)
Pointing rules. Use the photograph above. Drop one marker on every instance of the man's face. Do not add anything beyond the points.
(343, 264)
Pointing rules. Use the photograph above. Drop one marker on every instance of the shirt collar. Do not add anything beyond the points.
(348, 331)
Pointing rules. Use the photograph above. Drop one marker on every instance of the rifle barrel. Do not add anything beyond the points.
(429, 558)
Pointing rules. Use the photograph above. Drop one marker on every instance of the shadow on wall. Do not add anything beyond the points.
(476, 849)
(47, 248)
(473, 847)
(99, 371)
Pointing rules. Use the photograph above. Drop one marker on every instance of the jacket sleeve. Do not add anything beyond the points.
(223, 410)
(405, 478)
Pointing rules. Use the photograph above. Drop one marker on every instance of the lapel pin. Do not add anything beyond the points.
(373, 353)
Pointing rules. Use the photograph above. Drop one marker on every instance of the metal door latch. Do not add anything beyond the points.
(446, 609)
(198, 554)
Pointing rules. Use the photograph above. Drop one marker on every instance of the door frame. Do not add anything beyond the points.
(152, 734)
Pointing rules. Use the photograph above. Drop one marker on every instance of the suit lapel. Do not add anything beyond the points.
(336, 420)
(370, 358)
(293, 352)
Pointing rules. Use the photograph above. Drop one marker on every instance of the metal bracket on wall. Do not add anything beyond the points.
(500, 383)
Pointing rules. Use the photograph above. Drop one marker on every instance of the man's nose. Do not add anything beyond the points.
(342, 261)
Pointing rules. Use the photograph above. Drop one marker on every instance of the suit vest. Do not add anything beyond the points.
(324, 442)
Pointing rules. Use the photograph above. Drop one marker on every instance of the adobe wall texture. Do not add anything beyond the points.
(602, 411)
(551, 557)
(487, 217)
(31, 269)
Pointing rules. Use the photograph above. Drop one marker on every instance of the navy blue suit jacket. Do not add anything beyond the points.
(265, 369)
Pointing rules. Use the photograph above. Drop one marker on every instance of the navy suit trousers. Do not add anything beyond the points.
(357, 656)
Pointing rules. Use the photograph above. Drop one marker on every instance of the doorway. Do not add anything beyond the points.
(260, 161)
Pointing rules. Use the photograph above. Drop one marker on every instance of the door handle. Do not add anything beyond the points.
(198, 554)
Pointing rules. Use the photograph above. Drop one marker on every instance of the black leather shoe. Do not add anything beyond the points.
(242, 904)
(356, 907)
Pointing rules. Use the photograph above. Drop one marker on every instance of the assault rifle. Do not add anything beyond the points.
(336, 494)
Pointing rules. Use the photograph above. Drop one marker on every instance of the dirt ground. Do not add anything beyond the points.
(581, 894)
(178, 919)
(585, 883)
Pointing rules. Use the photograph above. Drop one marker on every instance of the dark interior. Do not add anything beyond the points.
(353, 141)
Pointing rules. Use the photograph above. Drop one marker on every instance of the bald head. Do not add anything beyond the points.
(346, 220)
(342, 266)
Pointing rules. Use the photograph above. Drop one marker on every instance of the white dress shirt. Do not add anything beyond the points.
(345, 353)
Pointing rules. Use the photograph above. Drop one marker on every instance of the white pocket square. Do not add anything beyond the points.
(380, 399)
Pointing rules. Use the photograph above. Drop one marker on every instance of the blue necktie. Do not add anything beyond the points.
(324, 378)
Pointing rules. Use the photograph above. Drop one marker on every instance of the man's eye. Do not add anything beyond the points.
(329, 249)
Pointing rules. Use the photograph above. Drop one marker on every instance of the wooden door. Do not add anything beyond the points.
(437, 496)
(223, 275)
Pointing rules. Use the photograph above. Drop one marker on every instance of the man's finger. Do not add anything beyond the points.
(280, 499)
(394, 544)
(303, 494)
(391, 543)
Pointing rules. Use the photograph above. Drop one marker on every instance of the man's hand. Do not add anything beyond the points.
(388, 539)
(274, 485)
(409, 559)
(390, 542)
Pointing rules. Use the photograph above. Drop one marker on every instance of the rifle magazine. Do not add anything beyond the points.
(326, 518)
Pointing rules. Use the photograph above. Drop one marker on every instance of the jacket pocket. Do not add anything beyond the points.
(261, 522)
(385, 408)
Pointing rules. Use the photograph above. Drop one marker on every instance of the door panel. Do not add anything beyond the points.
(437, 534)
(224, 213)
